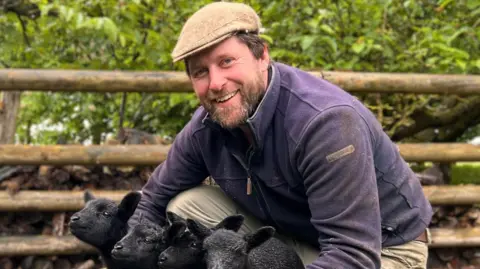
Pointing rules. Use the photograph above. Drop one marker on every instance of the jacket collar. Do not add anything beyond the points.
(263, 115)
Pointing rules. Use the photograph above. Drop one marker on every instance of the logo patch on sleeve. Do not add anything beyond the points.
(341, 153)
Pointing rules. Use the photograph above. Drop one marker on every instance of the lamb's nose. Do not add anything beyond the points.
(74, 218)
(162, 259)
(118, 246)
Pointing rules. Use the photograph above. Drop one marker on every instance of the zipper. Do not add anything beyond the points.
(253, 183)
(249, 177)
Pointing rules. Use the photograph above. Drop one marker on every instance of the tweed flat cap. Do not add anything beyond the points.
(213, 23)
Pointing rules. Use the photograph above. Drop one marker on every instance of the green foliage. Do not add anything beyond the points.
(423, 36)
(466, 173)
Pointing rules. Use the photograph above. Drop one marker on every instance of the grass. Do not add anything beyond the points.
(462, 172)
(466, 173)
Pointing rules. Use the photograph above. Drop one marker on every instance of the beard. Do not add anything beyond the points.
(233, 116)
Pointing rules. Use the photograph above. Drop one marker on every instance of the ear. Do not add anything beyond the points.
(233, 223)
(87, 196)
(198, 229)
(265, 58)
(176, 230)
(127, 206)
(172, 217)
(258, 237)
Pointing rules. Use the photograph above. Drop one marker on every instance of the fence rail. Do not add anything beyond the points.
(154, 154)
(69, 245)
(176, 81)
(60, 201)
(27, 245)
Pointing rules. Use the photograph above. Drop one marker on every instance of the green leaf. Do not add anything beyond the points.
(458, 53)
(123, 40)
(307, 41)
(462, 64)
(110, 29)
(327, 29)
(267, 38)
(456, 34)
(444, 3)
(358, 47)
(477, 63)
(330, 42)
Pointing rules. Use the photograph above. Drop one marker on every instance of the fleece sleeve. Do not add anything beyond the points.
(182, 169)
(335, 157)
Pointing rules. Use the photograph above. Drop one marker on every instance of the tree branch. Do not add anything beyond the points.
(456, 116)
(24, 30)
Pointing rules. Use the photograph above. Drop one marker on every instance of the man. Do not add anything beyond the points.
(287, 149)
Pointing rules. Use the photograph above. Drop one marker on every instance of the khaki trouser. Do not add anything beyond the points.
(209, 205)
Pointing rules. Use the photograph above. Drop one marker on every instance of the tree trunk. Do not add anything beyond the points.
(9, 106)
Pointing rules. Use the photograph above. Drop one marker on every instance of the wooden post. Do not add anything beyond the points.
(9, 105)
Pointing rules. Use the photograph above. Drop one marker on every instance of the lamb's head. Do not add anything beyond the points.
(102, 222)
(141, 245)
(224, 246)
(184, 249)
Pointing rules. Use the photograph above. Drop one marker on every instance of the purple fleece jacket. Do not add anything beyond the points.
(322, 170)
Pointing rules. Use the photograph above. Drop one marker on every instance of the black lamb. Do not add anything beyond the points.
(226, 248)
(184, 249)
(101, 223)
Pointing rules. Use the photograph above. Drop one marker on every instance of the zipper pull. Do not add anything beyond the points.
(249, 186)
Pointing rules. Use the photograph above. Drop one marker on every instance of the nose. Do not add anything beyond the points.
(74, 218)
(118, 246)
(217, 80)
(162, 258)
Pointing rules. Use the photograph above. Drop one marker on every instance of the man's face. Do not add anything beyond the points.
(229, 81)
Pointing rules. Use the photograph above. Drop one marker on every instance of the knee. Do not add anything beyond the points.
(186, 203)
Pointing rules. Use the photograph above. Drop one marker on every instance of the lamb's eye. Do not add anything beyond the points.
(147, 240)
(193, 245)
(105, 213)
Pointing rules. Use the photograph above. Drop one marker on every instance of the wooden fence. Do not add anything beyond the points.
(123, 81)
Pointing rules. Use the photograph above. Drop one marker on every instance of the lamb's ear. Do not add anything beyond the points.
(127, 206)
(233, 222)
(87, 196)
(198, 229)
(176, 230)
(172, 217)
(258, 237)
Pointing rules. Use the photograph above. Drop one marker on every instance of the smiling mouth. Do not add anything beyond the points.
(226, 97)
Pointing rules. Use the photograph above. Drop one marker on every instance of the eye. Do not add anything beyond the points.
(226, 61)
(193, 245)
(106, 214)
(199, 73)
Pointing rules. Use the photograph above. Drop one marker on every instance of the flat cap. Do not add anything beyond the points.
(213, 23)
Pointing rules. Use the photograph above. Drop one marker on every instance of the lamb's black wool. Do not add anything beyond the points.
(102, 223)
(141, 246)
(184, 249)
(226, 248)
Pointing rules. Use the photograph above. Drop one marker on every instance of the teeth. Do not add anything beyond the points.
(226, 97)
